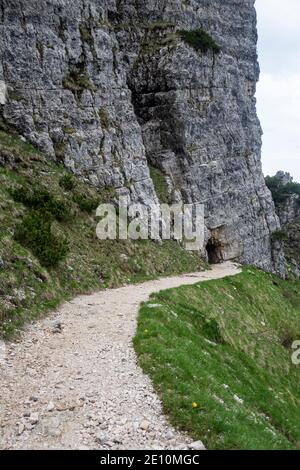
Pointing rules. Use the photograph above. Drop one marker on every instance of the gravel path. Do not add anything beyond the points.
(72, 381)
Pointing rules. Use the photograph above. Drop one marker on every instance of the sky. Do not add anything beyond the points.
(278, 91)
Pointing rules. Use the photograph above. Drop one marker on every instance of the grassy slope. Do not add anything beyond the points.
(208, 343)
(26, 288)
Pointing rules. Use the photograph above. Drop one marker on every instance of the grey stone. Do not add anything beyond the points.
(145, 425)
(170, 435)
(2, 264)
(102, 438)
(33, 398)
(34, 418)
(198, 445)
(57, 326)
(103, 426)
(21, 428)
(284, 178)
(289, 210)
(19, 295)
(50, 406)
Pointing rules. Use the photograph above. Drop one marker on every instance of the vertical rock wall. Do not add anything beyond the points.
(198, 116)
(108, 88)
(67, 90)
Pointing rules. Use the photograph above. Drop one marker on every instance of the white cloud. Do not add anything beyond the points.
(278, 92)
(279, 102)
(280, 18)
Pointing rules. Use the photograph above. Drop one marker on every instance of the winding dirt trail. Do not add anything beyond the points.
(72, 381)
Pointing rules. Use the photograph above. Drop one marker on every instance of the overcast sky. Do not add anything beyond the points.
(278, 92)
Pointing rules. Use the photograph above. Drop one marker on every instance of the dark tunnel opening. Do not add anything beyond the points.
(214, 252)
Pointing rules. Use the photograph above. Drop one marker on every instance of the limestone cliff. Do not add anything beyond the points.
(109, 87)
(286, 195)
(288, 208)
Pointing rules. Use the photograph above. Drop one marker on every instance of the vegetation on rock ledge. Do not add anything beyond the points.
(281, 192)
(160, 185)
(200, 40)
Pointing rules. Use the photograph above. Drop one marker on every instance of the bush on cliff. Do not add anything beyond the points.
(35, 232)
(40, 199)
(200, 40)
(281, 192)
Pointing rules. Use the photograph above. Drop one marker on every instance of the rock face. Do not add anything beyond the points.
(289, 214)
(288, 210)
(67, 90)
(109, 87)
(291, 246)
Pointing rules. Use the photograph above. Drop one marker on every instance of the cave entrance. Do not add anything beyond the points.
(214, 251)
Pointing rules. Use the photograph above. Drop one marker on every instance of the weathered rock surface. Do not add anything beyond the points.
(67, 90)
(292, 246)
(108, 87)
(288, 210)
(289, 215)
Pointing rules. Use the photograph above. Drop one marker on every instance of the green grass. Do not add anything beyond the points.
(67, 182)
(151, 45)
(160, 37)
(225, 346)
(85, 33)
(160, 25)
(29, 183)
(160, 185)
(77, 81)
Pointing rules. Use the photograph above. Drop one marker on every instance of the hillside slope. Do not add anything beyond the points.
(48, 245)
(219, 354)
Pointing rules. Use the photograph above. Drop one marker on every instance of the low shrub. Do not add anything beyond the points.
(212, 331)
(287, 335)
(78, 80)
(59, 150)
(281, 192)
(200, 40)
(42, 200)
(67, 182)
(85, 203)
(35, 233)
(279, 235)
(85, 33)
